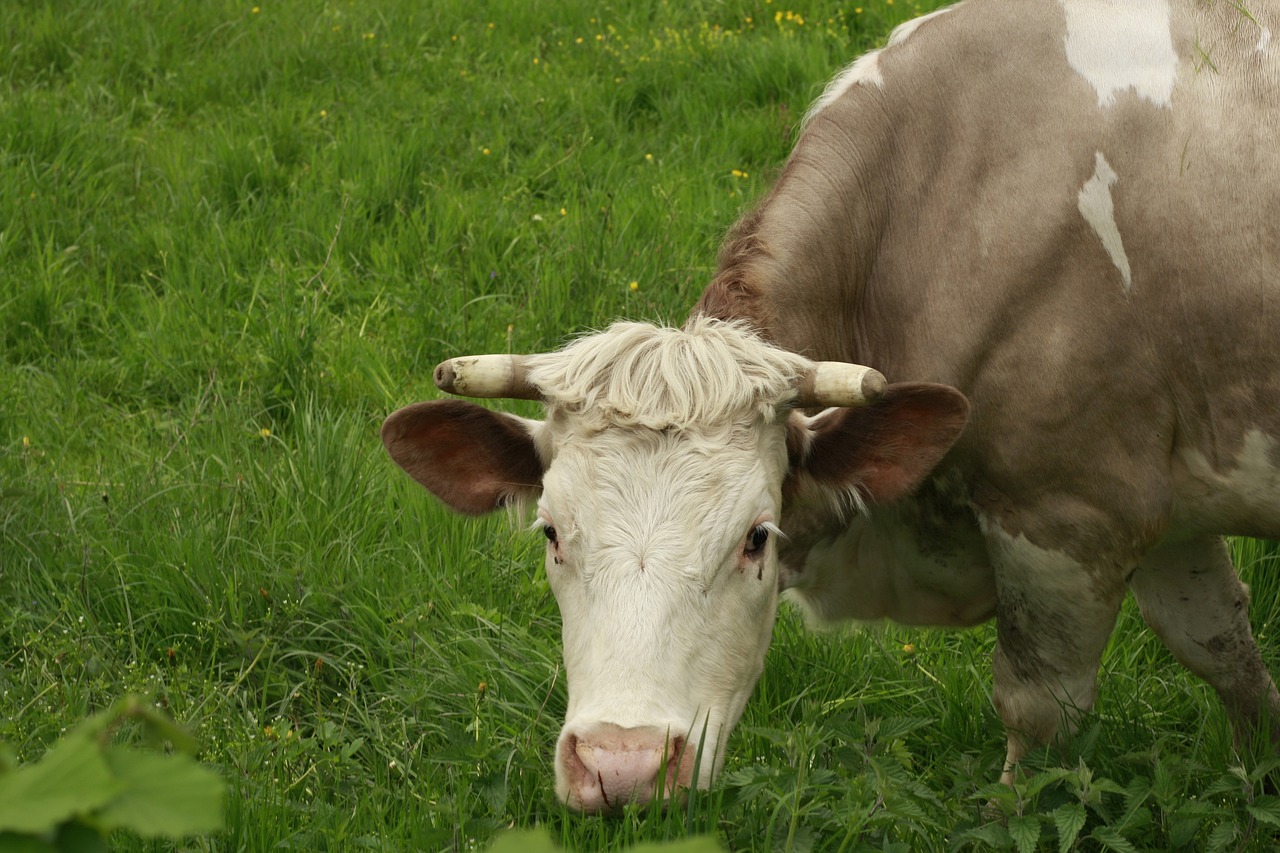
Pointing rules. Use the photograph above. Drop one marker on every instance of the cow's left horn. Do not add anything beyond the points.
(486, 376)
(835, 383)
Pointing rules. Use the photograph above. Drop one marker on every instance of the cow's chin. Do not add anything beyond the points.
(602, 767)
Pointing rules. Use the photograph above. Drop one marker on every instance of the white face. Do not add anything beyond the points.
(662, 554)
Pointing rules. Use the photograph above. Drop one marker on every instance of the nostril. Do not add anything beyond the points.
(571, 758)
(675, 763)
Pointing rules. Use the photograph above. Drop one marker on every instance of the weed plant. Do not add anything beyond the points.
(233, 237)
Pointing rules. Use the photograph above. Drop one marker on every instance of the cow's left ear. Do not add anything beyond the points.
(883, 451)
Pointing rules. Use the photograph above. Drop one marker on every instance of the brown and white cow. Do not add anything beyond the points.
(1056, 229)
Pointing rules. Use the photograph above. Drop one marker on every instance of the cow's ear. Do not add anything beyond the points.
(474, 459)
(882, 451)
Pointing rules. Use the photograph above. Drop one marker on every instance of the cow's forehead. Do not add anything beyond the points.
(621, 483)
(637, 375)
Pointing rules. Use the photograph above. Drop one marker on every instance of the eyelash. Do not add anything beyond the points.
(758, 539)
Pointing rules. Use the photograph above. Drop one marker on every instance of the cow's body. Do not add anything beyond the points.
(1069, 211)
(1087, 244)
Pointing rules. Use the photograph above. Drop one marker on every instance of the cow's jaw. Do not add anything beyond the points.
(665, 622)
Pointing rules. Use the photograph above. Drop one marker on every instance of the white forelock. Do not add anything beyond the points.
(708, 373)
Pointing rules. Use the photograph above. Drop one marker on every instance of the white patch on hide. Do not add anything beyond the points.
(1118, 45)
(1098, 210)
(1264, 39)
(866, 68)
(1249, 491)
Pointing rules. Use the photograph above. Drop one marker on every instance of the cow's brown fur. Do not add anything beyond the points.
(931, 228)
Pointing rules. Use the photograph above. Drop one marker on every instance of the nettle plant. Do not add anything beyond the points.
(86, 786)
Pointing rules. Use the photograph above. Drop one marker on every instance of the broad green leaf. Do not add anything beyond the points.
(1136, 793)
(163, 795)
(1222, 836)
(1108, 786)
(998, 793)
(1266, 809)
(1041, 780)
(1025, 831)
(1068, 820)
(71, 779)
(993, 835)
(1112, 839)
(1183, 832)
(1264, 769)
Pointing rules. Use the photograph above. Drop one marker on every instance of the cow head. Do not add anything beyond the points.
(659, 477)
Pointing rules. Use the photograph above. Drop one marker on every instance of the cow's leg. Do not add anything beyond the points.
(1053, 618)
(1191, 597)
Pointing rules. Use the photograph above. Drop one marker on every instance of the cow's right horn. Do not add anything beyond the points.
(486, 376)
(837, 383)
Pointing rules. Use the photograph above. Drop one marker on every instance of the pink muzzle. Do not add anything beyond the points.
(604, 767)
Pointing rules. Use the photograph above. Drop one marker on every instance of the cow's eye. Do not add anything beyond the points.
(756, 540)
(550, 533)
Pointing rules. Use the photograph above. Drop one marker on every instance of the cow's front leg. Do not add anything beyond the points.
(1053, 618)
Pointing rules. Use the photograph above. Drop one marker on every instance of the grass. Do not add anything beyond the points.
(234, 237)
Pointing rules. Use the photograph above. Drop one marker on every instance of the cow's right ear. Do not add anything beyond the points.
(474, 459)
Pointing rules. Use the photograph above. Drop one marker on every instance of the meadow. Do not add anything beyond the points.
(234, 237)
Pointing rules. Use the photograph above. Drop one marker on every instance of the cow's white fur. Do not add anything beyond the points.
(1117, 45)
(1098, 209)
(865, 70)
(1247, 489)
(712, 372)
(1264, 40)
(663, 570)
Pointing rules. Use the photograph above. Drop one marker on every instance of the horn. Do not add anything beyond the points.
(487, 376)
(835, 383)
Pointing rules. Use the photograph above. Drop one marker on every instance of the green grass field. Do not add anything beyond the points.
(233, 238)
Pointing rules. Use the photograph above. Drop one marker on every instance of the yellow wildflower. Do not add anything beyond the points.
(635, 285)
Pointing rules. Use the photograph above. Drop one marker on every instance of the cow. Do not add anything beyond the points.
(1052, 234)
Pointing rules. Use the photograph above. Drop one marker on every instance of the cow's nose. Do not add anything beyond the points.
(604, 767)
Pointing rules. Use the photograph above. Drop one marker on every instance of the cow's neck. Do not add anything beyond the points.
(796, 268)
